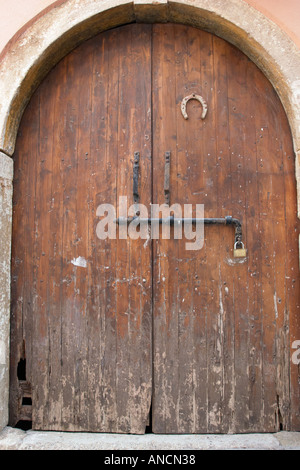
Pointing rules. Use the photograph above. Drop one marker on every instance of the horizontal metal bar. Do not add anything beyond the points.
(228, 220)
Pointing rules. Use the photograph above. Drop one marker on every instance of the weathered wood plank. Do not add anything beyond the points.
(91, 318)
(165, 299)
(238, 98)
(241, 357)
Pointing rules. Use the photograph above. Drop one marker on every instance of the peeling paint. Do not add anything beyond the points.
(233, 262)
(80, 261)
(275, 305)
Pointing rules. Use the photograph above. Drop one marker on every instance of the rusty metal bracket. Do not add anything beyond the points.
(193, 96)
(167, 178)
(136, 165)
(238, 238)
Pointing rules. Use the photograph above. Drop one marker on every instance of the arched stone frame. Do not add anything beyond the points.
(57, 30)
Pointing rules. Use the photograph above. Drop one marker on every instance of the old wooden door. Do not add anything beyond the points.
(81, 312)
(112, 335)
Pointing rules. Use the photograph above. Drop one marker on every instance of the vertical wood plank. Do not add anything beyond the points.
(290, 328)
(268, 178)
(23, 282)
(133, 285)
(238, 115)
(223, 188)
(52, 91)
(102, 304)
(254, 278)
(165, 301)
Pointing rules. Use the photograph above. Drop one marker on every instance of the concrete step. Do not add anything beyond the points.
(16, 439)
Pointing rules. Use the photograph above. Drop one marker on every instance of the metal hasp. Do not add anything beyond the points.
(136, 164)
(238, 238)
(167, 178)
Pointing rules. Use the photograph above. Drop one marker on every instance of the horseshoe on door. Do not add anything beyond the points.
(193, 96)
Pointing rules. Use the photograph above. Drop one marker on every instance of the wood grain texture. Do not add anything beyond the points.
(222, 326)
(89, 326)
(204, 337)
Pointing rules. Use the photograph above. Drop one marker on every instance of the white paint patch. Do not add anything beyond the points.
(221, 301)
(275, 305)
(148, 238)
(234, 261)
(80, 261)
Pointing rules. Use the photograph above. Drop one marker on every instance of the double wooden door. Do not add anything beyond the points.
(116, 335)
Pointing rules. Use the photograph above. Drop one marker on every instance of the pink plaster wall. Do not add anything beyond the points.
(286, 13)
(14, 14)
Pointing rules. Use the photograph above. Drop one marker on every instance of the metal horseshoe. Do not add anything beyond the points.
(193, 96)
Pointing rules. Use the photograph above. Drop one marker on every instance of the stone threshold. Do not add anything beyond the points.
(16, 439)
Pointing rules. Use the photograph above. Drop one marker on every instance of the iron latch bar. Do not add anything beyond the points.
(167, 178)
(228, 220)
(136, 164)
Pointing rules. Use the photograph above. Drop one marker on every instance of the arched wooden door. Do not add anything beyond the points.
(110, 335)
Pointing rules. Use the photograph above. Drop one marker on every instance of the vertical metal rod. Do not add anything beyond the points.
(167, 178)
(136, 164)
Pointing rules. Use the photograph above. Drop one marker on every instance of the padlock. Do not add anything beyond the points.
(239, 252)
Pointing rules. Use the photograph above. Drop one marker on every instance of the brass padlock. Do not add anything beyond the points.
(239, 252)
